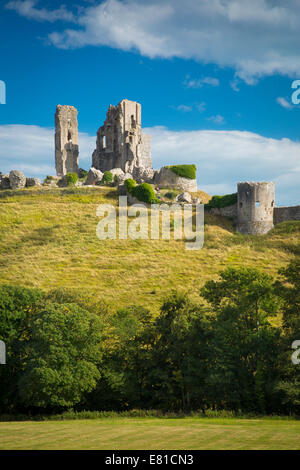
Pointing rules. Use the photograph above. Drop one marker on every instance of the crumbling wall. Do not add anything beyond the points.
(229, 211)
(66, 140)
(282, 214)
(120, 141)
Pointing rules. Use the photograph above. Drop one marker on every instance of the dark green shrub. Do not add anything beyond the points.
(48, 179)
(144, 192)
(185, 171)
(107, 177)
(223, 201)
(71, 179)
(129, 185)
(82, 173)
(171, 195)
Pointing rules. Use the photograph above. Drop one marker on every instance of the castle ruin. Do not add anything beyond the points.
(122, 147)
(120, 141)
(255, 207)
(66, 140)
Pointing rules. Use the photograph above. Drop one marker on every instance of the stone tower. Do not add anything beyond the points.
(120, 141)
(255, 207)
(66, 140)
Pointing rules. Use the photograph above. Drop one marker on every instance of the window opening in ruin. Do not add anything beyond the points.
(241, 204)
(257, 203)
(104, 141)
(272, 204)
(69, 136)
(132, 120)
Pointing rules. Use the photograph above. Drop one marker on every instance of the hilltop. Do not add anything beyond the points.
(48, 239)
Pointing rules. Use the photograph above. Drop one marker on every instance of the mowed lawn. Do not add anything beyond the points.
(152, 433)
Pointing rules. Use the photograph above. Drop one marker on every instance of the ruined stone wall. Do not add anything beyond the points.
(146, 161)
(66, 140)
(229, 211)
(120, 141)
(255, 207)
(282, 214)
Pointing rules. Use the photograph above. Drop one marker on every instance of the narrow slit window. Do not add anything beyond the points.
(257, 204)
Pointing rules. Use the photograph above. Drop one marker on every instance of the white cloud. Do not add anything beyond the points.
(187, 108)
(223, 157)
(235, 84)
(256, 38)
(199, 82)
(201, 106)
(218, 119)
(284, 103)
(30, 149)
(184, 108)
(27, 9)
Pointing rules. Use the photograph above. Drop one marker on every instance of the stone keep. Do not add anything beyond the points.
(66, 140)
(255, 207)
(120, 141)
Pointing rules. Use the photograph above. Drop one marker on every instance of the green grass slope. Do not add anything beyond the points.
(48, 239)
(153, 433)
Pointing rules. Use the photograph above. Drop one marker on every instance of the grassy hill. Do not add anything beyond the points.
(48, 239)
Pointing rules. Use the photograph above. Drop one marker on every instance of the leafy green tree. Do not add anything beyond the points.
(181, 355)
(18, 305)
(288, 288)
(125, 364)
(243, 371)
(64, 351)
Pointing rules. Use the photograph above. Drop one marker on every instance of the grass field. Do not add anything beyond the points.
(152, 433)
(48, 239)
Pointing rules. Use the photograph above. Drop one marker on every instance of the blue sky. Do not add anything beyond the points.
(214, 79)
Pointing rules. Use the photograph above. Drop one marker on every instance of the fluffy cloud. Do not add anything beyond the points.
(184, 108)
(284, 103)
(223, 157)
(27, 9)
(256, 38)
(199, 82)
(31, 149)
(218, 119)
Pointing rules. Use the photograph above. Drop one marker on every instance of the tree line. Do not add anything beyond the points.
(231, 350)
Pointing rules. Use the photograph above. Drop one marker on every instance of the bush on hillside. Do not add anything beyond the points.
(145, 193)
(82, 173)
(71, 179)
(171, 195)
(107, 177)
(222, 201)
(129, 185)
(185, 171)
(48, 179)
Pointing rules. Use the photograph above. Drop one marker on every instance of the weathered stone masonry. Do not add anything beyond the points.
(120, 141)
(255, 207)
(282, 214)
(66, 140)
